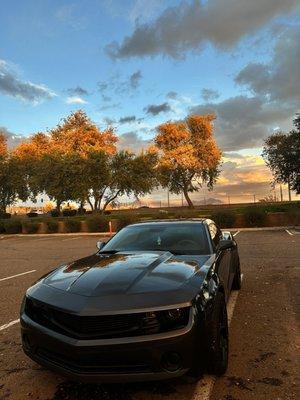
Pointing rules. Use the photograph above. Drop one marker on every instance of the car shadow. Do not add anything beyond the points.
(176, 389)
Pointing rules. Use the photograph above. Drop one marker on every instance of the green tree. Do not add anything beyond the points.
(282, 154)
(108, 177)
(12, 181)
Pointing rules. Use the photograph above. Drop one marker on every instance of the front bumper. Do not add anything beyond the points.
(151, 357)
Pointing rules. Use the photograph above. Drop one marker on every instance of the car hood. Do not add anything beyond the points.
(140, 279)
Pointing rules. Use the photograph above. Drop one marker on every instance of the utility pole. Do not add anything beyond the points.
(281, 195)
(228, 199)
(254, 199)
(168, 194)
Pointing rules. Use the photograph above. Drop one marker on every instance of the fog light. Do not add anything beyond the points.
(171, 361)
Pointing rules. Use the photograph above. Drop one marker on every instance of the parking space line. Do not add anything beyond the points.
(289, 232)
(236, 233)
(14, 276)
(11, 323)
(74, 238)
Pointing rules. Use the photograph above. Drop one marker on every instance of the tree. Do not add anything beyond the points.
(188, 155)
(12, 182)
(59, 175)
(108, 177)
(55, 162)
(282, 154)
(78, 134)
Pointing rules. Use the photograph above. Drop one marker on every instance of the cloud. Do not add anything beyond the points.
(155, 109)
(12, 85)
(109, 121)
(143, 10)
(132, 141)
(78, 91)
(172, 95)
(209, 94)
(135, 79)
(75, 100)
(190, 25)
(110, 106)
(12, 139)
(243, 122)
(69, 15)
(279, 79)
(126, 120)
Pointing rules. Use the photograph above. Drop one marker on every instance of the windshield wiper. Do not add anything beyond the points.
(108, 251)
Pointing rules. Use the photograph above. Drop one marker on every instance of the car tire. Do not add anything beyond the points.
(217, 355)
(237, 280)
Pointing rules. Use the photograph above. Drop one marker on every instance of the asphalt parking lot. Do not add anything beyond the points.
(264, 328)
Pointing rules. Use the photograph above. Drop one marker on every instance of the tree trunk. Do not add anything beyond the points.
(90, 203)
(187, 197)
(58, 204)
(289, 190)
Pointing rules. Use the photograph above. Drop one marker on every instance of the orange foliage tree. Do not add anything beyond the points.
(188, 155)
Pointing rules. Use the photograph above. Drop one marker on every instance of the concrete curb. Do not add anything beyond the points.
(37, 235)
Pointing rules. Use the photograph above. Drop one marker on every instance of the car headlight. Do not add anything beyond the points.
(174, 318)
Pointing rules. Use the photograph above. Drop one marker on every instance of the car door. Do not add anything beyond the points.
(223, 258)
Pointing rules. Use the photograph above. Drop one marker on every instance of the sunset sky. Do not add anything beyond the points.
(137, 63)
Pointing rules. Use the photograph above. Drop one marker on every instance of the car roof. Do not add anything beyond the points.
(172, 221)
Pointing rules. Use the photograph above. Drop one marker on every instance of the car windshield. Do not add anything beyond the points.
(181, 238)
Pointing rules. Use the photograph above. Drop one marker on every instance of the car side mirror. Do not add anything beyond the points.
(226, 235)
(226, 244)
(100, 245)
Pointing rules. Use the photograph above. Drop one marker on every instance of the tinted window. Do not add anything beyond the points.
(177, 238)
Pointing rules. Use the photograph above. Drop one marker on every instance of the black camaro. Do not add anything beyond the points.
(150, 304)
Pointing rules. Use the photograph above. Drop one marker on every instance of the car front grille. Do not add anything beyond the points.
(92, 327)
(93, 363)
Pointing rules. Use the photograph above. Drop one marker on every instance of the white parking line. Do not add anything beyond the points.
(14, 276)
(205, 387)
(236, 233)
(11, 323)
(74, 238)
(289, 232)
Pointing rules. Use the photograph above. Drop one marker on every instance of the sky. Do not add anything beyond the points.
(135, 64)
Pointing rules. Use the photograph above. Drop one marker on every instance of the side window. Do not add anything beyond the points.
(215, 233)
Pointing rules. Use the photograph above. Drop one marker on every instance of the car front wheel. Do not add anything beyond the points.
(217, 357)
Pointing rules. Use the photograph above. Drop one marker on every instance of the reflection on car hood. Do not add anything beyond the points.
(139, 279)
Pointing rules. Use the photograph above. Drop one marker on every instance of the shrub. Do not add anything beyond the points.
(69, 212)
(81, 211)
(32, 214)
(13, 226)
(254, 216)
(4, 215)
(126, 219)
(55, 213)
(107, 212)
(225, 219)
(52, 226)
(294, 216)
(97, 223)
(30, 227)
(72, 225)
(2, 228)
